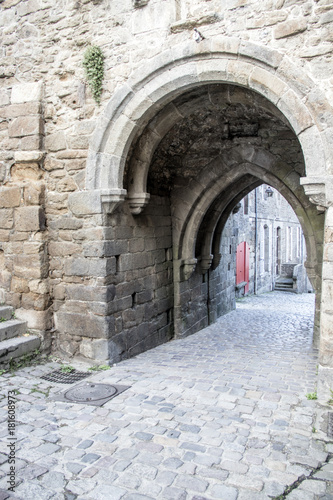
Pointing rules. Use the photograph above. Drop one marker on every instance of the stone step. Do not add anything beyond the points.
(12, 328)
(285, 289)
(17, 347)
(283, 285)
(6, 312)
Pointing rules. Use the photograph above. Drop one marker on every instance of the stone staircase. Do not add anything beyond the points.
(284, 284)
(15, 342)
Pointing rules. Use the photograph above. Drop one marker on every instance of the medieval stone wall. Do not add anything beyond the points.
(103, 284)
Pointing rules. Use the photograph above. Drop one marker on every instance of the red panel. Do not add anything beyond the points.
(243, 264)
(240, 261)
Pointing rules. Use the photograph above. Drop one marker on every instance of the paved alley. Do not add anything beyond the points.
(222, 414)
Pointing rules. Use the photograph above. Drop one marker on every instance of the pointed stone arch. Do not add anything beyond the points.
(149, 95)
(185, 66)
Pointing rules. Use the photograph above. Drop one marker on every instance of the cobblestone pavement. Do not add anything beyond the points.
(222, 414)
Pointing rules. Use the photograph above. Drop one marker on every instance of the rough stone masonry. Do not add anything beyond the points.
(111, 216)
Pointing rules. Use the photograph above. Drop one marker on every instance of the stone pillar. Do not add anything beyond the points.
(325, 372)
(24, 277)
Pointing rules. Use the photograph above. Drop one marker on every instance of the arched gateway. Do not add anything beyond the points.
(175, 150)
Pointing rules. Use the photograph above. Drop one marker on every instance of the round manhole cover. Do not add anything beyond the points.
(90, 392)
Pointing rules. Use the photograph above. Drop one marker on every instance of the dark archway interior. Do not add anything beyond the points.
(206, 150)
(216, 118)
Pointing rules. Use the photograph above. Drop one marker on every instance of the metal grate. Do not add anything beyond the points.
(90, 393)
(65, 378)
(330, 424)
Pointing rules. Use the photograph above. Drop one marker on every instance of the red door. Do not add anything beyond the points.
(243, 264)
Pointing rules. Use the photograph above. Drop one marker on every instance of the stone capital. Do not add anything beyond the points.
(137, 202)
(206, 262)
(112, 198)
(315, 188)
(187, 268)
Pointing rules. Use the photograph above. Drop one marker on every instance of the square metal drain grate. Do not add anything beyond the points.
(330, 425)
(89, 393)
(61, 377)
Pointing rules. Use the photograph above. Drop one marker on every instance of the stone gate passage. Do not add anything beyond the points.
(112, 216)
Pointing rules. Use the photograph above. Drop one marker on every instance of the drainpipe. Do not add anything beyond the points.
(255, 241)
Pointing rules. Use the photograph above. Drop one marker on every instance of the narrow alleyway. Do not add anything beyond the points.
(222, 414)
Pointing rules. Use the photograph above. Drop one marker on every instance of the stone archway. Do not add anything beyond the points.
(144, 112)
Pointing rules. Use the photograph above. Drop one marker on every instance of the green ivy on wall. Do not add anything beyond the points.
(94, 65)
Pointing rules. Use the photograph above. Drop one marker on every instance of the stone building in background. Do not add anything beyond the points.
(263, 247)
(111, 215)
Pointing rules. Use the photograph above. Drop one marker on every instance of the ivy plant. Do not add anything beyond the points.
(93, 63)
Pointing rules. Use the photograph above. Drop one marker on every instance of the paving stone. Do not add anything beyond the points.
(191, 483)
(317, 487)
(190, 428)
(33, 471)
(225, 492)
(53, 481)
(172, 463)
(144, 436)
(187, 445)
(101, 492)
(74, 468)
(121, 465)
(29, 489)
(174, 494)
(85, 444)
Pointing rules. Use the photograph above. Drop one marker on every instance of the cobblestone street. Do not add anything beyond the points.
(222, 414)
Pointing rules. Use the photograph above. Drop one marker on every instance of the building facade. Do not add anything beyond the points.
(268, 225)
(112, 208)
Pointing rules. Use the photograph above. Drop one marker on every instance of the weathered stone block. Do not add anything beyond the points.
(30, 266)
(10, 197)
(262, 53)
(39, 286)
(56, 141)
(25, 125)
(288, 28)
(84, 203)
(6, 218)
(26, 92)
(19, 285)
(84, 325)
(37, 320)
(90, 293)
(66, 184)
(89, 267)
(63, 248)
(24, 171)
(34, 194)
(4, 97)
(29, 219)
(67, 223)
(105, 248)
(32, 142)
(28, 156)
(97, 349)
(26, 109)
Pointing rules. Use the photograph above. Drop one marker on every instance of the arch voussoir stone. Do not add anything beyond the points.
(222, 59)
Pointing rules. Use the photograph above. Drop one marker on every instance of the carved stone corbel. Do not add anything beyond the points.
(137, 202)
(187, 268)
(111, 199)
(206, 262)
(315, 189)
